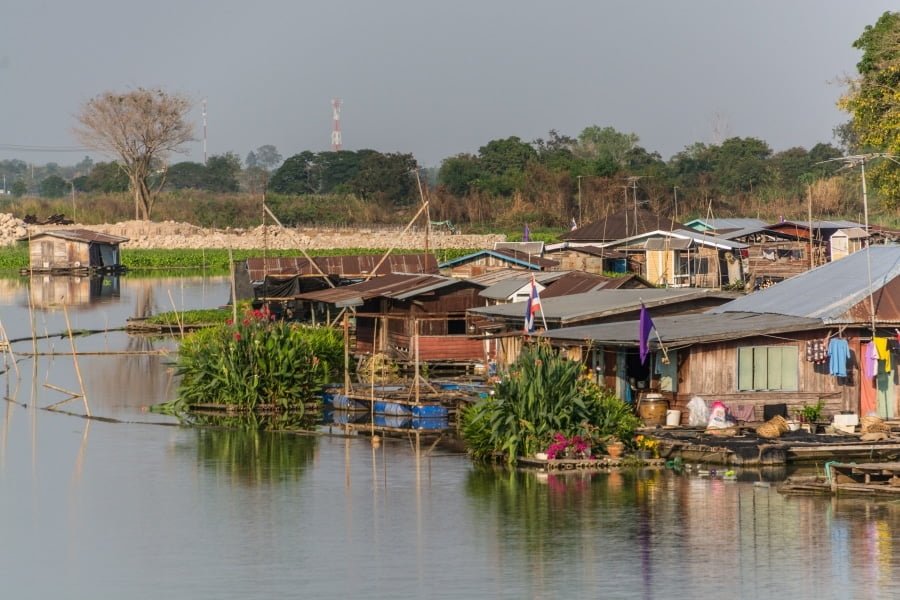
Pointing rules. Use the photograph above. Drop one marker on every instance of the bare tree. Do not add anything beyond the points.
(139, 128)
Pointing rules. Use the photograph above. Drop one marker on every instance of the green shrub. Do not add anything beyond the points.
(543, 394)
(256, 361)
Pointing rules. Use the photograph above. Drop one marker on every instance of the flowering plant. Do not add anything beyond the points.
(642, 442)
(563, 447)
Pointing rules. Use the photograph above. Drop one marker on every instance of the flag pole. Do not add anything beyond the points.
(662, 346)
(540, 304)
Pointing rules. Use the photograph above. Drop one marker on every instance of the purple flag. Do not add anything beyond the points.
(526, 235)
(645, 326)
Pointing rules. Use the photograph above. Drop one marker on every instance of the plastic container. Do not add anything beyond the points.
(673, 418)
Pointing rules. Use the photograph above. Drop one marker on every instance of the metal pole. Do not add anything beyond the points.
(579, 200)
(675, 188)
(868, 254)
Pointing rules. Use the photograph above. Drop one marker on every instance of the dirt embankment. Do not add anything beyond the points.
(168, 234)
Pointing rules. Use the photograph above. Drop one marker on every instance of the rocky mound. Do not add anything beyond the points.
(168, 234)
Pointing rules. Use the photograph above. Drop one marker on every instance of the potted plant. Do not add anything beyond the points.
(811, 413)
(646, 447)
(614, 447)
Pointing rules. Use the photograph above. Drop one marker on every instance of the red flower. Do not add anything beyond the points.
(237, 336)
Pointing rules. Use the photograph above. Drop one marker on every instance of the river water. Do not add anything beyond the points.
(135, 506)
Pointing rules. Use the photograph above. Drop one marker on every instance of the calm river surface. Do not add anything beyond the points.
(139, 507)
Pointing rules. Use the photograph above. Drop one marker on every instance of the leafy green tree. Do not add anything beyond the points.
(606, 146)
(873, 100)
(106, 177)
(503, 165)
(459, 174)
(186, 175)
(386, 178)
(53, 186)
(222, 173)
(741, 164)
(267, 157)
(19, 188)
(296, 176)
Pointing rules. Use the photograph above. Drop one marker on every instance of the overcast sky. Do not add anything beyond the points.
(435, 78)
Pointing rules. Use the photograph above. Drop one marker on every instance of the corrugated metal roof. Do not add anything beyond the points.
(531, 248)
(578, 282)
(686, 329)
(853, 233)
(734, 234)
(826, 292)
(728, 223)
(667, 243)
(620, 225)
(819, 224)
(518, 258)
(682, 234)
(576, 307)
(81, 235)
(591, 250)
(400, 286)
(341, 266)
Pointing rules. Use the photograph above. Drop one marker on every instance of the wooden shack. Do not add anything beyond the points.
(74, 251)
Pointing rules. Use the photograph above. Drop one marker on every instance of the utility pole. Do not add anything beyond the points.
(675, 189)
(579, 200)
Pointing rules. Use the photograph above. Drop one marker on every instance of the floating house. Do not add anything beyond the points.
(770, 347)
(78, 251)
(684, 258)
(277, 281)
(590, 258)
(619, 225)
(502, 325)
(406, 316)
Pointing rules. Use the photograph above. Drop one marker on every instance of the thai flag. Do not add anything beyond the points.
(574, 225)
(526, 234)
(532, 307)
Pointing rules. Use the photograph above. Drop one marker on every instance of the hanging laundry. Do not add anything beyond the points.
(881, 345)
(839, 353)
(870, 360)
(816, 351)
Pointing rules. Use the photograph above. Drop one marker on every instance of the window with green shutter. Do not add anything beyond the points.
(768, 368)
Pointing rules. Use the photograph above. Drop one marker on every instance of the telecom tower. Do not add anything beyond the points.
(336, 124)
(203, 104)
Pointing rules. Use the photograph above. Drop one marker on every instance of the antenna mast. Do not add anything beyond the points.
(203, 107)
(336, 144)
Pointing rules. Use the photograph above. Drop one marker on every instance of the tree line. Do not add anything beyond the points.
(548, 181)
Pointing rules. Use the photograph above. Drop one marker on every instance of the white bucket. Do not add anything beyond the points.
(673, 417)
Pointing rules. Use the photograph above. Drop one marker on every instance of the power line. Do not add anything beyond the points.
(30, 148)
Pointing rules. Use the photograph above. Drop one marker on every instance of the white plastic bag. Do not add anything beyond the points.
(698, 412)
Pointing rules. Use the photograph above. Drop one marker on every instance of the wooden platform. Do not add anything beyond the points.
(848, 479)
(583, 464)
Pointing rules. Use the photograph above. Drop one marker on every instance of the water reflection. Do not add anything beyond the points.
(251, 457)
(52, 291)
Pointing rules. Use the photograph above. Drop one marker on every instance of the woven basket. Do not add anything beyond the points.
(872, 423)
(768, 430)
(723, 431)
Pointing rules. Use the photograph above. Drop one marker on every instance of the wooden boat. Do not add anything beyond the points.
(848, 479)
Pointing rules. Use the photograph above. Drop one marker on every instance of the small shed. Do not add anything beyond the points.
(847, 241)
(74, 251)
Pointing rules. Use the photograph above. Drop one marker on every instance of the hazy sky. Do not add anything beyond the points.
(435, 78)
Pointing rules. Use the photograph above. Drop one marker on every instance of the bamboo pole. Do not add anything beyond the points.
(394, 247)
(346, 353)
(87, 408)
(234, 315)
(178, 320)
(416, 347)
(302, 251)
